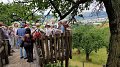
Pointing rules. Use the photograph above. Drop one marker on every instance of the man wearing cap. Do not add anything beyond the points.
(20, 34)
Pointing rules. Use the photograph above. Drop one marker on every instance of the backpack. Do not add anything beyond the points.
(37, 34)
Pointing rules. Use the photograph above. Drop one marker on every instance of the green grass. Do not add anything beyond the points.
(98, 59)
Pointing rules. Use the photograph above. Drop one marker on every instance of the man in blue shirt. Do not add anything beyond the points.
(20, 33)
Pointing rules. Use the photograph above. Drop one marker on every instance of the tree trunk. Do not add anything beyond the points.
(113, 11)
(87, 56)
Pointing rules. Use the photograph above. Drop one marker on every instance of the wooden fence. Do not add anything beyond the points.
(53, 49)
(3, 53)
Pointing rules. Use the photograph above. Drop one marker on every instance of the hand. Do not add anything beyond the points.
(23, 38)
(27, 35)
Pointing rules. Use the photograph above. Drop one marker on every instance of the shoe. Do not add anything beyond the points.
(31, 60)
(21, 57)
(12, 51)
(25, 58)
(28, 61)
(10, 55)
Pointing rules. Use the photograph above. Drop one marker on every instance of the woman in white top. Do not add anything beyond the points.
(15, 28)
(48, 30)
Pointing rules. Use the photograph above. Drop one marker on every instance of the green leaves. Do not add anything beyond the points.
(21, 10)
(90, 38)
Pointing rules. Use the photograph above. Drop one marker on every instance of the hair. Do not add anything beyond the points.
(28, 31)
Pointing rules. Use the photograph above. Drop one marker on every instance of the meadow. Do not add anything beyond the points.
(97, 59)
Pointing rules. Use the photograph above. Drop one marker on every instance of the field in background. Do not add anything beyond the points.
(97, 59)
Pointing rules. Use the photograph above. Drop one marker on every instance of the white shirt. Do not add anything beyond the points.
(48, 31)
(15, 31)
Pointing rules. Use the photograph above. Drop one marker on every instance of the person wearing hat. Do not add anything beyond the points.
(20, 34)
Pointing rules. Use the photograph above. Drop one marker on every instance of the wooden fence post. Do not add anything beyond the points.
(6, 52)
(67, 51)
(47, 49)
(43, 52)
(62, 49)
(51, 48)
(1, 55)
(83, 64)
(55, 48)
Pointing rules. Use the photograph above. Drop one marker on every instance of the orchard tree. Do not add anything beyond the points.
(65, 7)
(89, 38)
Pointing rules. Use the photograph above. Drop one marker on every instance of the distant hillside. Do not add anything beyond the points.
(89, 15)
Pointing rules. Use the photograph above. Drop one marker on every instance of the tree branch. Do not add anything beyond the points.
(59, 13)
(72, 8)
(31, 13)
(69, 11)
(71, 1)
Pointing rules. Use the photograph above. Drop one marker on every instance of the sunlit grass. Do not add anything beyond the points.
(97, 59)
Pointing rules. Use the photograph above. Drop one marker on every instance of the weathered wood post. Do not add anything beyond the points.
(47, 49)
(6, 51)
(55, 48)
(1, 51)
(67, 50)
(62, 49)
(83, 64)
(51, 48)
(70, 44)
(43, 53)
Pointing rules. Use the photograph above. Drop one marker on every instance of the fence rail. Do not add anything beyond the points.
(53, 49)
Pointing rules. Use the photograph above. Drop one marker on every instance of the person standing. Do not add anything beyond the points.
(15, 27)
(3, 35)
(6, 31)
(11, 36)
(20, 34)
(61, 27)
(28, 44)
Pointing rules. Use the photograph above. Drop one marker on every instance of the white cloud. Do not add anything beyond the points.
(92, 6)
(6, 1)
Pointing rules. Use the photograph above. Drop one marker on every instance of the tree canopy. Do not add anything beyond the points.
(63, 8)
(90, 38)
(14, 11)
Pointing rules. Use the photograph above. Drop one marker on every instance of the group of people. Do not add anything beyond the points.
(23, 35)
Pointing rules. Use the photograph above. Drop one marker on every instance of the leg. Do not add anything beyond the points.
(21, 52)
(9, 48)
(31, 53)
(28, 54)
(25, 55)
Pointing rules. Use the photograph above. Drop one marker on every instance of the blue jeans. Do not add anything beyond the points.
(22, 52)
(18, 42)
